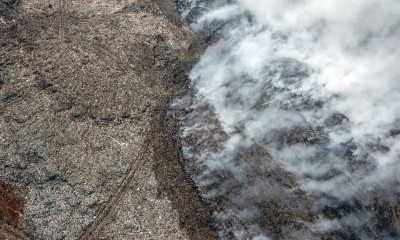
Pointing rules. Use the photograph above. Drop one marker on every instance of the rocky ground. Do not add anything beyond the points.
(85, 150)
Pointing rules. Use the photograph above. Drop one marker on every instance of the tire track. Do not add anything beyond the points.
(136, 163)
(62, 10)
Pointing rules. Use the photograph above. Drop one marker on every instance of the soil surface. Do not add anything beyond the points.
(85, 149)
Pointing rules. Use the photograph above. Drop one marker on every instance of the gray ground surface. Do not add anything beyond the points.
(84, 86)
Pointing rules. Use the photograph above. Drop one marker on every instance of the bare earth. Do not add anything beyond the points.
(84, 88)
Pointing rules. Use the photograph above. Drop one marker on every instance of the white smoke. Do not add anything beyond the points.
(314, 87)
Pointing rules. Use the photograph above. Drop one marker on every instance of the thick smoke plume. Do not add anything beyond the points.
(294, 126)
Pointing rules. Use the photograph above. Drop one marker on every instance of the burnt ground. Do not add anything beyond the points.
(85, 152)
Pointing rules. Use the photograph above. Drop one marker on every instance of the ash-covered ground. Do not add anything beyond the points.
(85, 152)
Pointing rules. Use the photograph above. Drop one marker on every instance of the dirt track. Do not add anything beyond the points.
(84, 88)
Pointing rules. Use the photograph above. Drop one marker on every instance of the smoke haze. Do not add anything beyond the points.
(294, 125)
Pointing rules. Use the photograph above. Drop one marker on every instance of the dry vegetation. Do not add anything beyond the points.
(84, 86)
